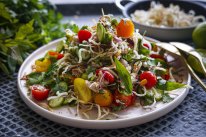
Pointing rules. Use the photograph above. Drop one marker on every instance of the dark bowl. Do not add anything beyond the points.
(164, 34)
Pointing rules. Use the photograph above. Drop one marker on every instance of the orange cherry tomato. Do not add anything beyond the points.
(125, 28)
(103, 99)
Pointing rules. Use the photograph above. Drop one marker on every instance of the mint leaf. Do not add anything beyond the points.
(124, 77)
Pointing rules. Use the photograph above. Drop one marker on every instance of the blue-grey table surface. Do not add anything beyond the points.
(18, 120)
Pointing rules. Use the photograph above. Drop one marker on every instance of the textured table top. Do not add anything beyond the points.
(18, 120)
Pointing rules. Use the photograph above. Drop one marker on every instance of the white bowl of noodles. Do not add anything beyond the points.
(171, 20)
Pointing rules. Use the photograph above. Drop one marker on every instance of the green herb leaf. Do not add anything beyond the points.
(173, 85)
(5, 12)
(12, 64)
(128, 57)
(166, 98)
(34, 78)
(24, 30)
(124, 77)
(4, 68)
(74, 28)
(61, 87)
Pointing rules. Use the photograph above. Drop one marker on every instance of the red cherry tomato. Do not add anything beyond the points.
(121, 99)
(56, 55)
(39, 92)
(166, 76)
(106, 75)
(157, 56)
(60, 56)
(84, 35)
(146, 45)
(150, 77)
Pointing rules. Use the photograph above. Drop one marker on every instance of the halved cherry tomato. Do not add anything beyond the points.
(150, 77)
(60, 56)
(121, 99)
(56, 54)
(125, 28)
(106, 75)
(157, 56)
(39, 92)
(84, 35)
(146, 45)
(103, 99)
(166, 76)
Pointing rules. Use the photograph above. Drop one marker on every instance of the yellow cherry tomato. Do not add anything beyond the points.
(125, 28)
(103, 99)
(81, 90)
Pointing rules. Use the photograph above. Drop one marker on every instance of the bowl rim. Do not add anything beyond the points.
(130, 4)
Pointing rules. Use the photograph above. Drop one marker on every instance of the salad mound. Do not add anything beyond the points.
(107, 67)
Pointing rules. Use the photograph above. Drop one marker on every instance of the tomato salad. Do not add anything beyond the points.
(108, 67)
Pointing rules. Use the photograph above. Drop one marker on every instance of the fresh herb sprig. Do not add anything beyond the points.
(24, 26)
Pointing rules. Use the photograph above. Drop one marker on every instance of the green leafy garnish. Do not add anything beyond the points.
(61, 87)
(25, 25)
(128, 57)
(35, 78)
(124, 77)
(173, 85)
(166, 98)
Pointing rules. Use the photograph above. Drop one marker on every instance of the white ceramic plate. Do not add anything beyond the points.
(129, 117)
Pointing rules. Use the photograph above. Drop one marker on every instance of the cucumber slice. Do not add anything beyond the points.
(56, 102)
(70, 101)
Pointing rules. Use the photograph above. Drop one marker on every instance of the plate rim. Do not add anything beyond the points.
(96, 124)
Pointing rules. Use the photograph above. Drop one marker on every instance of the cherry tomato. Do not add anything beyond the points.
(39, 92)
(157, 56)
(84, 35)
(146, 45)
(166, 76)
(103, 99)
(56, 55)
(121, 99)
(125, 28)
(150, 77)
(60, 56)
(106, 75)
